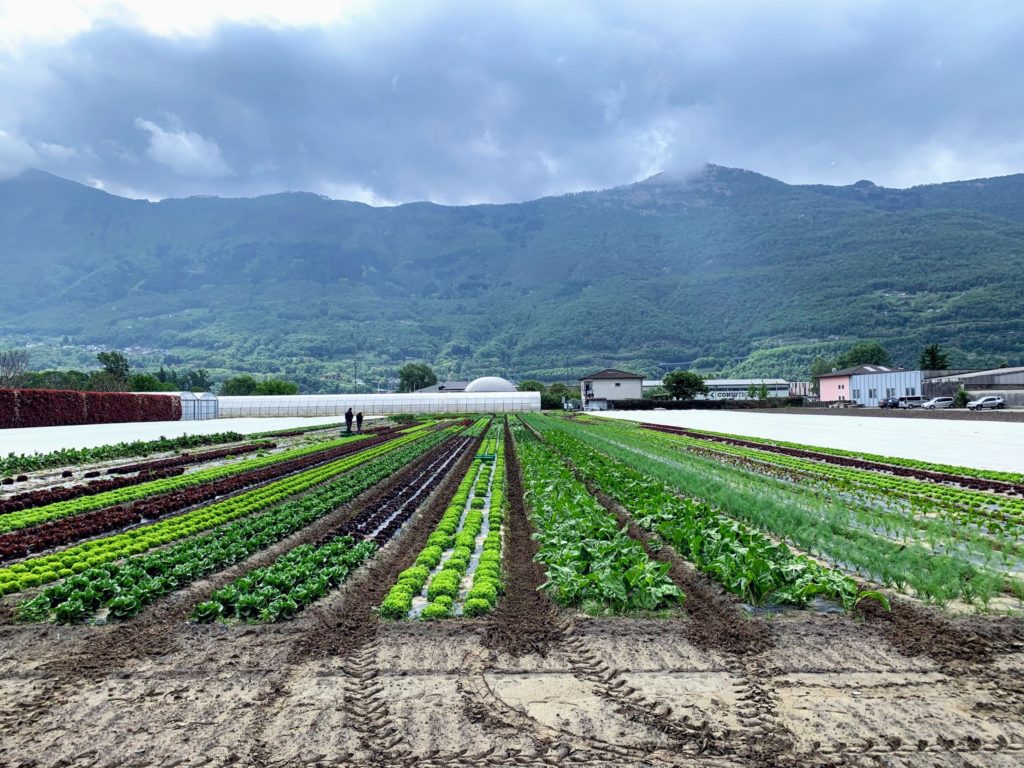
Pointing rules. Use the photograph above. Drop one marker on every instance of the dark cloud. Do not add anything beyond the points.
(459, 102)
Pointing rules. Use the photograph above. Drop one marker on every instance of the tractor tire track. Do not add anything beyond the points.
(347, 627)
(161, 629)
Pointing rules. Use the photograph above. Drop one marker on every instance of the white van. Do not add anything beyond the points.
(911, 401)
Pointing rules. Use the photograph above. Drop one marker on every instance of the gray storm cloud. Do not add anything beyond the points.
(457, 103)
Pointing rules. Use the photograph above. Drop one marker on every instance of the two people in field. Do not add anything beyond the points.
(348, 422)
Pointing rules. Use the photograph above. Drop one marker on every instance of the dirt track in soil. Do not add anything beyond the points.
(531, 685)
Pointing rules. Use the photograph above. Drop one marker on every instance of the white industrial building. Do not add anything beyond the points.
(739, 389)
(1007, 383)
(602, 387)
(488, 394)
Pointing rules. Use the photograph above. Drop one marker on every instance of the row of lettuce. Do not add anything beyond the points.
(121, 574)
(15, 463)
(458, 572)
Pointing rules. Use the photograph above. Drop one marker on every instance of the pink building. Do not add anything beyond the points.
(835, 386)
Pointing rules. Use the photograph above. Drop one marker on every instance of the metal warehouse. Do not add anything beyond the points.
(867, 384)
(869, 387)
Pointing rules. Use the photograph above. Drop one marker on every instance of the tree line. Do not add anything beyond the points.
(115, 375)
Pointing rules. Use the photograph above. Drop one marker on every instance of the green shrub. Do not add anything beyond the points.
(444, 600)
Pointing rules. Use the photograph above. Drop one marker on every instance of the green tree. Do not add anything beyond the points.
(413, 376)
(961, 398)
(147, 382)
(196, 381)
(105, 381)
(685, 385)
(115, 364)
(752, 391)
(864, 353)
(933, 358)
(277, 387)
(529, 385)
(563, 390)
(549, 401)
(239, 385)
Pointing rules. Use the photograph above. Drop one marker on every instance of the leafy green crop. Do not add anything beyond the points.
(588, 559)
(743, 559)
(279, 591)
(144, 578)
(69, 457)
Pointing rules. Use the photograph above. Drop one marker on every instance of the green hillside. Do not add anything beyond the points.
(732, 269)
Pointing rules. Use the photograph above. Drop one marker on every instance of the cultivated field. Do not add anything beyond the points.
(546, 591)
(977, 442)
(46, 439)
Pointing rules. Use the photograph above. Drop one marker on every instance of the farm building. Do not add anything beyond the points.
(413, 402)
(867, 384)
(1007, 383)
(739, 389)
(868, 387)
(602, 387)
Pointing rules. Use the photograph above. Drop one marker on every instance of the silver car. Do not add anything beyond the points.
(990, 401)
(938, 402)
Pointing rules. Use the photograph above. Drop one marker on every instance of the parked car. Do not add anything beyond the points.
(911, 401)
(889, 402)
(990, 401)
(938, 402)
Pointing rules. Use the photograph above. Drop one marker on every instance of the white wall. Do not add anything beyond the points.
(414, 402)
(627, 388)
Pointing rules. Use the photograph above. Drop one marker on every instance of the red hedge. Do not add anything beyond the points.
(49, 408)
(8, 408)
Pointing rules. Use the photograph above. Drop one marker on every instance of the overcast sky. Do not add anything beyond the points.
(462, 102)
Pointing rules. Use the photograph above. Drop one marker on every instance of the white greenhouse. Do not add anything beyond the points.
(415, 402)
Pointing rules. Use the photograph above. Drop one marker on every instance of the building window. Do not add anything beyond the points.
(911, 391)
(890, 392)
(872, 394)
(856, 394)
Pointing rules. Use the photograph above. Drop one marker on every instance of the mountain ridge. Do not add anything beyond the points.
(729, 268)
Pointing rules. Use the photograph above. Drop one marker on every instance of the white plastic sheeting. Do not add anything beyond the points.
(189, 403)
(199, 407)
(414, 402)
(995, 445)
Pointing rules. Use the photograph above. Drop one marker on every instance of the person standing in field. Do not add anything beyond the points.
(359, 422)
(348, 422)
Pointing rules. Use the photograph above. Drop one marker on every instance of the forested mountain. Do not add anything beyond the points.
(734, 270)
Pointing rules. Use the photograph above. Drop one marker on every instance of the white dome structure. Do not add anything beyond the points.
(490, 384)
